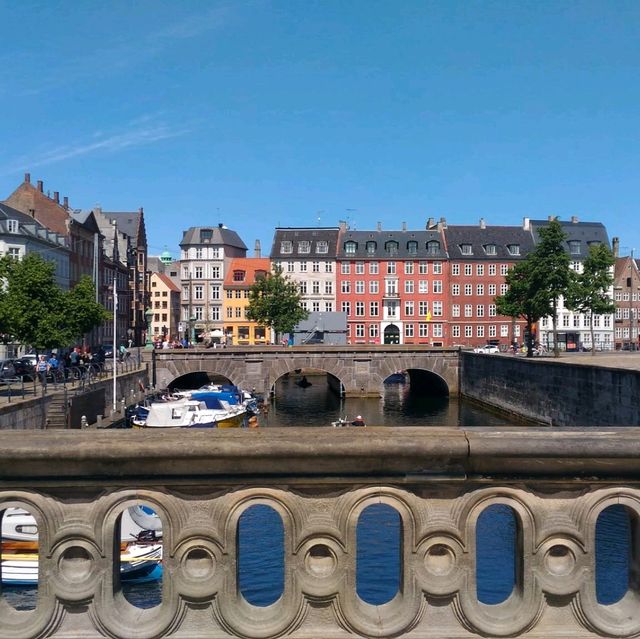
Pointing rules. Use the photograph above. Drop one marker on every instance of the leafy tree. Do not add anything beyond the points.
(525, 298)
(275, 302)
(37, 312)
(589, 290)
(549, 263)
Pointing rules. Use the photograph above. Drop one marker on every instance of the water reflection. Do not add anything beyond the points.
(402, 405)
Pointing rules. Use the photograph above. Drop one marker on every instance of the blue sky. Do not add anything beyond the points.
(259, 114)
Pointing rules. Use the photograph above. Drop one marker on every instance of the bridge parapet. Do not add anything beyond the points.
(319, 481)
(361, 370)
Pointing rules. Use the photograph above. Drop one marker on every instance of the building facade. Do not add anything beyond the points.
(626, 288)
(165, 304)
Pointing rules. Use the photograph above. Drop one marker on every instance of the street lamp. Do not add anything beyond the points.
(192, 326)
(149, 316)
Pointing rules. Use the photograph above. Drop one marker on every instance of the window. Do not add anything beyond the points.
(455, 310)
(480, 310)
(437, 286)
(574, 247)
(215, 292)
(391, 287)
(468, 289)
(198, 292)
(479, 270)
(374, 309)
(490, 249)
(455, 330)
(315, 287)
(468, 331)
(371, 247)
(229, 294)
(504, 269)
(391, 247)
(359, 331)
(238, 276)
(360, 287)
(514, 249)
(468, 310)
(480, 330)
(14, 253)
(197, 312)
(345, 268)
(328, 307)
(437, 309)
(303, 267)
(466, 249)
(322, 247)
(408, 287)
(374, 288)
(373, 268)
(455, 269)
(423, 329)
(286, 246)
(359, 268)
(328, 288)
(480, 289)
(503, 289)
(433, 247)
(492, 269)
(346, 308)
(408, 268)
(408, 330)
(373, 330)
(408, 308)
(328, 267)
(492, 310)
(423, 267)
(315, 267)
(12, 226)
(455, 289)
(504, 330)
(198, 254)
(302, 286)
(304, 246)
(423, 308)
(360, 309)
(350, 247)
(423, 286)
(493, 330)
(437, 330)
(238, 295)
(468, 269)
(437, 268)
(239, 312)
(491, 289)
(185, 293)
(345, 287)
(391, 268)
(290, 266)
(412, 248)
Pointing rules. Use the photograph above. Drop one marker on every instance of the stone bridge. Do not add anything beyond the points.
(353, 370)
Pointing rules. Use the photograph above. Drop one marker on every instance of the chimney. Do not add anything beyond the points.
(65, 202)
(379, 226)
(430, 223)
(257, 249)
(443, 223)
(574, 219)
(482, 224)
(27, 178)
(40, 186)
(343, 226)
(56, 197)
(615, 245)
(404, 226)
(526, 226)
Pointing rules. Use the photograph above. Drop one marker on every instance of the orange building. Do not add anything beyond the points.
(240, 276)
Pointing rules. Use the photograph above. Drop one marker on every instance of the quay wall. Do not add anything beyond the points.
(552, 392)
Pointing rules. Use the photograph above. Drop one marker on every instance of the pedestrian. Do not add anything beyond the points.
(358, 421)
(42, 368)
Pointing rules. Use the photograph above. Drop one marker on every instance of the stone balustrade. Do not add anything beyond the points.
(320, 481)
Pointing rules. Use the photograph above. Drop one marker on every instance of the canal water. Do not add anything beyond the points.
(378, 566)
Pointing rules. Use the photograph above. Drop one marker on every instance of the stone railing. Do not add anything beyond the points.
(319, 482)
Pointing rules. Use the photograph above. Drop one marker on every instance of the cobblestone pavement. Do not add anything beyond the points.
(617, 359)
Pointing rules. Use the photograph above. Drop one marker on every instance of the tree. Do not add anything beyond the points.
(525, 298)
(589, 290)
(549, 263)
(275, 302)
(34, 310)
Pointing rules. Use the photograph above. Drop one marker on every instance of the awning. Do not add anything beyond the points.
(216, 332)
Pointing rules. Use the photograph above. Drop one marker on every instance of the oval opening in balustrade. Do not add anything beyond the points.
(497, 554)
(19, 565)
(616, 528)
(260, 544)
(378, 554)
(138, 556)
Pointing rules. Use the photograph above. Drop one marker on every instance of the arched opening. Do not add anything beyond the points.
(19, 549)
(378, 554)
(391, 334)
(497, 550)
(616, 539)
(137, 555)
(260, 550)
(197, 379)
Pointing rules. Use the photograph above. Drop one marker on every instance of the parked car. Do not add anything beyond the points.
(487, 349)
(24, 367)
(7, 371)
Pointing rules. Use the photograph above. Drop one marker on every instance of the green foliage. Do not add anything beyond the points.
(275, 302)
(37, 312)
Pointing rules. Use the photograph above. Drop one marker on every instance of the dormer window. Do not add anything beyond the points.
(304, 246)
(466, 249)
(350, 247)
(433, 247)
(391, 247)
(412, 247)
(206, 235)
(322, 247)
(514, 249)
(371, 248)
(490, 249)
(574, 247)
(286, 246)
(238, 276)
(261, 275)
(12, 226)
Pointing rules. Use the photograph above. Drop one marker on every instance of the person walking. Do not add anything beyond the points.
(42, 368)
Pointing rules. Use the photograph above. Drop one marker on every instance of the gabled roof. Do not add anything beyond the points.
(166, 280)
(312, 235)
(378, 242)
(9, 213)
(479, 238)
(584, 232)
(249, 265)
(220, 236)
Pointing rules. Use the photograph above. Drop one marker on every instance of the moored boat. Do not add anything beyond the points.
(192, 413)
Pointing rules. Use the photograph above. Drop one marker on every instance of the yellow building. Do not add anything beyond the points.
(165, 304)
(241, 274)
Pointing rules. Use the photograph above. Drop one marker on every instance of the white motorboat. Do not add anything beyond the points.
(191, 413)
